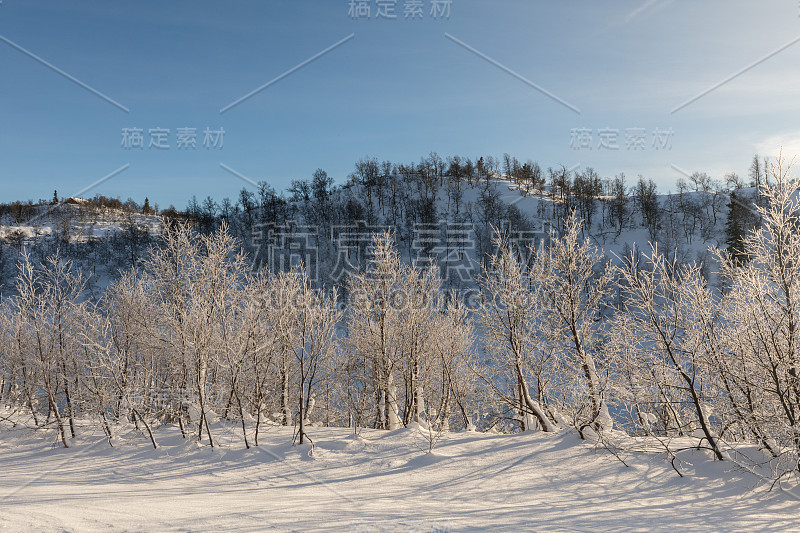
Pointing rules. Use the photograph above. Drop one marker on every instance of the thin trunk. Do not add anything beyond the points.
(70, 412)
(534, 407)
(180, 423)
(241, 417)
(258, 422)
(419, 396)
(106, 428)
(138, 415)
(54, 410)
(302, 416)
(285, 409)
(393, 418)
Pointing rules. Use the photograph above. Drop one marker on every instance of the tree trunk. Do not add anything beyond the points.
(392, 416)
(147, 427)
(285, 409)
(241, 417)
(534, 407)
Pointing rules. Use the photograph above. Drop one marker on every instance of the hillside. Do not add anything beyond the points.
(449, 220)
(569, 395)
(99, 240)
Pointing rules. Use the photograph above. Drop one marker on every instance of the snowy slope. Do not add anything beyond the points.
(79, 222)
(380, 481)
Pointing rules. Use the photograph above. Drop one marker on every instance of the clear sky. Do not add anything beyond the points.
(492, 77)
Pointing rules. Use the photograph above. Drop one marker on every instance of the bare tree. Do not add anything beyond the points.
(511, 318)
(374, 325)
(668, 309)
(574, 281)
(757, 358)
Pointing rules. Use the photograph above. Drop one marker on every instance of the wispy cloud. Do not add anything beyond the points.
(788, 144)
(648, 5)
(642, 8)
(736, 74)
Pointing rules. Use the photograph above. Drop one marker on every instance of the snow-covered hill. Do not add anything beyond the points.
(443, 220)
(77, 220)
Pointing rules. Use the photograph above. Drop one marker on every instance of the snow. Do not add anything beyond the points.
(76, 200)
(84, 222)
(377, 481)
(24, 232)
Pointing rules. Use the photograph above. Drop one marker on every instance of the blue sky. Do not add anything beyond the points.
(397, 90)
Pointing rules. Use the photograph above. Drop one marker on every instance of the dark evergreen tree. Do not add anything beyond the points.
(742, 218)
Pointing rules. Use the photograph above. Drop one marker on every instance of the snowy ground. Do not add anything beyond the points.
(382, 481)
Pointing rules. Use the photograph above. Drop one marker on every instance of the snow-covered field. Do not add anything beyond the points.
(380, 481)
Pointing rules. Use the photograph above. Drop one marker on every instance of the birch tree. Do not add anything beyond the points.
(668, 306)
(47, 303)
(511, 317)
(574, 280)
(374, 325)
(759, 367)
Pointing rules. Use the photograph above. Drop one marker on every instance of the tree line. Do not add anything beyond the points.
(560, 337)
(402, 196)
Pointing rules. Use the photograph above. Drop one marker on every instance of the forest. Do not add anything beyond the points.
(192, 328)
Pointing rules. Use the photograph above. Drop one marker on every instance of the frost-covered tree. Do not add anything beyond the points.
(453, 349)
(47, 307)
(418, 306)
(124, 374)
(195, 280)
(394, 336)
(662, 339)
(307, 331)
(540, 320)
(512, 319)
(574, 281)
(758, 364)
(375, 326)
